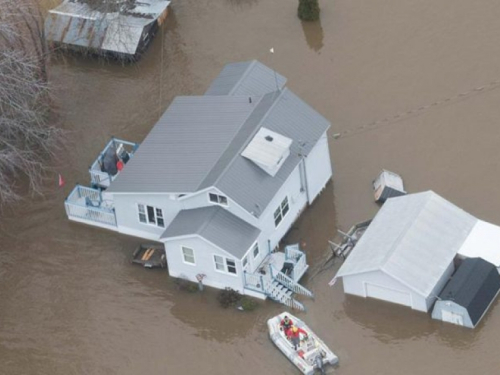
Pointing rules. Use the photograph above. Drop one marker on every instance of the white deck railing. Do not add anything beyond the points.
(298, 257)
(290, 283)
(85, 204)
(104, 179)
(254, 282)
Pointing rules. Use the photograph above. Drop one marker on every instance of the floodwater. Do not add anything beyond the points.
(410, 86)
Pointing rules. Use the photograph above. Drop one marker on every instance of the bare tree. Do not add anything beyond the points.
(27, 134)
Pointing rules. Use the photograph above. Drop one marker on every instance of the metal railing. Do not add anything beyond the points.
(104, 179)
(86, 204)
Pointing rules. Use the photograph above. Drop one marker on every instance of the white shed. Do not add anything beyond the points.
(406, 254)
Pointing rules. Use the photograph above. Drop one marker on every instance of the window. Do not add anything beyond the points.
(224, 264)
(219, 199)
(151, 215)
(231, 266)
(281, 212)
(255, 251)
(142, 214)
(245, 261)
(219, 263)
(188, 255)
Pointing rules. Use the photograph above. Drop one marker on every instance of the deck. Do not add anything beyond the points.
(86, 204)
(103, 170)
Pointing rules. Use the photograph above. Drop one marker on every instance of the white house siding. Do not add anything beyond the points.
(204, 257)
(297, 200)
(127, 215)
(384, 287)
(318, 167)
(450, 312)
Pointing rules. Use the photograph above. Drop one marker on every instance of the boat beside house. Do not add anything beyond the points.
(119, 29)
(220, 179)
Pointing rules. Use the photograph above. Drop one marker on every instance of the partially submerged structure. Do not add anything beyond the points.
(121, 28)
(219, 180)
(469, 293)
(406, 254)
(387, 185)
(410, 250)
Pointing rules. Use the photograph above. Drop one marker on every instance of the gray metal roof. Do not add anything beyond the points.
(249, 185)
(77, 23)
(216, 225)
(413, 239)
(246, 78)
(198, 143)
(186, 143)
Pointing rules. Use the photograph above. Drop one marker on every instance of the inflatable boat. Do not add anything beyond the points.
(311, 353)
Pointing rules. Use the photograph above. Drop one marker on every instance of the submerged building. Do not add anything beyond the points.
(470, 292)
(121, 29)
(219, 180)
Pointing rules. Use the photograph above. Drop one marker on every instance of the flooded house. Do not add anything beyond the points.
(121, 29)
(468, 295)
(411, 248)
(219, 180)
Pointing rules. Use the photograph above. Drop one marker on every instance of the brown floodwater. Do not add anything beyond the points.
(386, 74)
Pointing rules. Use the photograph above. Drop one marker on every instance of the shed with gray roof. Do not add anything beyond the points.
(122, 29)
(406, 254)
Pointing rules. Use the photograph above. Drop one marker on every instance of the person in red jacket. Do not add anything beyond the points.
(294, 335)
(286, 324)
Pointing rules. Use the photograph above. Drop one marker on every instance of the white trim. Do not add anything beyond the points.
(224, 263)
(184, 257)
(155, 224)
(281, 211)
(202, 238)
(219, 196)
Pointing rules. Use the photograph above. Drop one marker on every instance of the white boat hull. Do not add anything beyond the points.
(309, 351)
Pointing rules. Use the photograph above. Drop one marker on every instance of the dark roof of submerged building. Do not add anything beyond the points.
(102, 25)
(473, 286)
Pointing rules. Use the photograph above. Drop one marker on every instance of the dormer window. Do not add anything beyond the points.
(218, 199)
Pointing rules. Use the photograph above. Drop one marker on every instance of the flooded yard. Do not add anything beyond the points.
(409, 86)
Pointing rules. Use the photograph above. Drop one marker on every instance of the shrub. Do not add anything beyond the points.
(248, 304)
(185, 285)
(308, 10)
(228, 297)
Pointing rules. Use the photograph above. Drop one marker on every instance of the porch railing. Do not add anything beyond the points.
(298, 257)
(104, 179)
(86, 204)
(254, 282)
(289, 282)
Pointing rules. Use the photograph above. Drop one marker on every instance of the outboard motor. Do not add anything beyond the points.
(319, 364)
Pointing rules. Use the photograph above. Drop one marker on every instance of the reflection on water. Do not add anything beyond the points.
(314, 34)
(242, 4)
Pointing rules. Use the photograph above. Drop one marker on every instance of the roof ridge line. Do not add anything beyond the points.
(257, 128)
(232, 139)
(209, 220)
(247, 72)
(406, 228)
